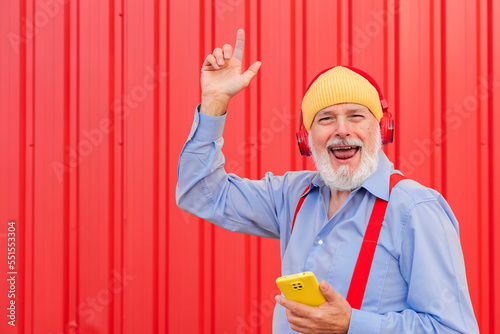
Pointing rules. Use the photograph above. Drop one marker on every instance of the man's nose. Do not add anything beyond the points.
(342, 130)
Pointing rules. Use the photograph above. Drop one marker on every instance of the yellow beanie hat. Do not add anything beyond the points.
(339, 85)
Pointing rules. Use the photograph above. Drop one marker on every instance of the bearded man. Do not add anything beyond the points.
(405, 275)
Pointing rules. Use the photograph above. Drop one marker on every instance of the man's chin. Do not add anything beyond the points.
(345, 167)
(344, 178)
(348, 176)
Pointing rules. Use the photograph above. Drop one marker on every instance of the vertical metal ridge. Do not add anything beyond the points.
(77, 169)
(248, 273)
(385, 47)
(156, 162)
(443, 98)
(339, 32)
(385, 60)
(248, 165)
(304, 60)
(111, 159)
(211, 314)
(385, 64)
(248, 95)
(349, 32)
(22, 169)
(66, 181)
(304, 48)
(259, 85)
(213, 286)
(167, 160)
(33, 88)
(72, 86)
(201, 285)
(397, 82)
(432, 98)
(479, 176)
(491, 169)
(122, 162)
(259, 153)
(293, 82)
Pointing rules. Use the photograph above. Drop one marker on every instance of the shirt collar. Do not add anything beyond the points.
(377, 183)
(316, 182)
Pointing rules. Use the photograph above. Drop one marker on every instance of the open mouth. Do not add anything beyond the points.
(344, 152)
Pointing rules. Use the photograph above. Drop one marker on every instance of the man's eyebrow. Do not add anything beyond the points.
(323, 112)
(356, 110)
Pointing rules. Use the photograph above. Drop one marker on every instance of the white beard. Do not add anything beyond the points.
(345, 178)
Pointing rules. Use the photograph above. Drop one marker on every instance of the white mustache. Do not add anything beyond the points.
(344, 142)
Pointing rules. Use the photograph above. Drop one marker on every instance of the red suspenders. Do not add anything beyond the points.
(299, 205)
(365, 258)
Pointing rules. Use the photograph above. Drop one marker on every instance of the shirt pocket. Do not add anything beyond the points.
(342, 266)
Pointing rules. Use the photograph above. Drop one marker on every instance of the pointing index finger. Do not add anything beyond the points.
(239, 47)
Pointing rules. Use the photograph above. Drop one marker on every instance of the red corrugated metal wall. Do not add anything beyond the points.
(97, 98)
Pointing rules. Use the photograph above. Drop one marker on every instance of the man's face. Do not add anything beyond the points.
(345, 140)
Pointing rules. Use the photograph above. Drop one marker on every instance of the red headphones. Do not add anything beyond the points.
(386, 123)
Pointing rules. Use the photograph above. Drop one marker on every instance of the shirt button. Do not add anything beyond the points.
(320, 242)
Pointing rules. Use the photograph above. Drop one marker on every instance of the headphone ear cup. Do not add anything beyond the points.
(302, 140)
(387, 129)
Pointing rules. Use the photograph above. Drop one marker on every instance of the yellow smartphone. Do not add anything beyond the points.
(302, 288)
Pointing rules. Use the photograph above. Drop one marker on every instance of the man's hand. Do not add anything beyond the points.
(222, 76)
(333, 316)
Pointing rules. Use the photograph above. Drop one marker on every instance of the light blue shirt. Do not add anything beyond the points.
(417, 282)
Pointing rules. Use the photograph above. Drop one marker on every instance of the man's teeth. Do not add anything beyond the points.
(343, 148)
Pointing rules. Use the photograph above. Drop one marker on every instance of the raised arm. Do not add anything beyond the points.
(222, 76)
(204, 188)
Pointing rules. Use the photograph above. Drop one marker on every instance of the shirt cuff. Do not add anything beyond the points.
(206, 127)
(364, 322)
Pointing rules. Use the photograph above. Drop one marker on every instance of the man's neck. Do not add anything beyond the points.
(337, 197)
